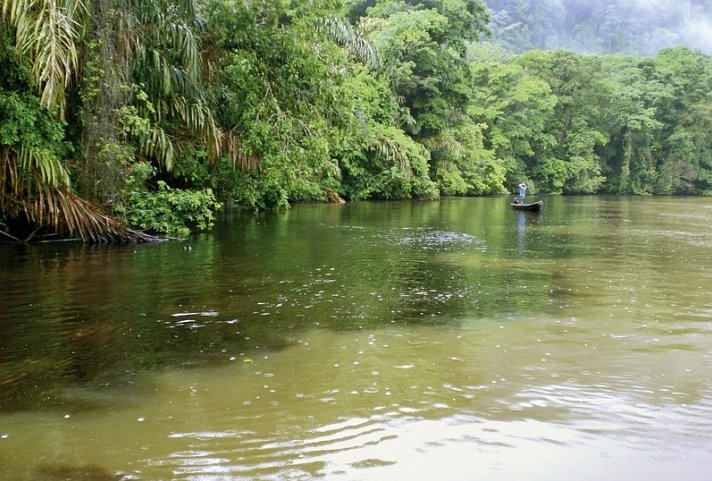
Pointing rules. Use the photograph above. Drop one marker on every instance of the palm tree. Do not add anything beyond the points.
(353, 42)
(39, 191)
(142, 55)
(115, 54)
(34, 183)
(49, 32)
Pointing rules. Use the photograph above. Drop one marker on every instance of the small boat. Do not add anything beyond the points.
(534, 206)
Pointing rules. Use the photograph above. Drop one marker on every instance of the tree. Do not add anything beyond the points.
(141, 90)
(517, 107)
(422, 45)
(573, 164)
(276, 90)
(685, 159)
(126, 71)
(35, 189)
(379, 160)
(639, 93)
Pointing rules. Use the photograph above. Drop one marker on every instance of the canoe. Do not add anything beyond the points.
(534, 206)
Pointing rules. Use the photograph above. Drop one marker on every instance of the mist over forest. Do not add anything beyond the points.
(639, 27)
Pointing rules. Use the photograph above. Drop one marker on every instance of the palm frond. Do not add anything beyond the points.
(49, 32)
(388, 149)
(35, 185)
(43, 163)
(355, 44)
(236, 153)
(68, 214)
(167, 47)
(191, 113)
(445, 142)
(155, 143)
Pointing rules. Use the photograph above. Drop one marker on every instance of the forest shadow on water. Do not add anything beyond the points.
(410, 340)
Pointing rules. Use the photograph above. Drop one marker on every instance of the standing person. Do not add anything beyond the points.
(522, 191)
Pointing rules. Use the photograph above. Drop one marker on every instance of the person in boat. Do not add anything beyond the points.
(522, 192)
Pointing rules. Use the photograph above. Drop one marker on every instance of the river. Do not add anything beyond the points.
(450, 340)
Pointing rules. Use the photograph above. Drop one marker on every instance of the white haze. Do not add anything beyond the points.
(605, 26)
(676, 22)
(698, 32)
(692, 20)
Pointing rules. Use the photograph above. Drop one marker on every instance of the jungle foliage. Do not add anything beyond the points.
(156, 114)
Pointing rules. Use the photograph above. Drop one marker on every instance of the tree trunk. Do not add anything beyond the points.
(104, 91)
(623, 186)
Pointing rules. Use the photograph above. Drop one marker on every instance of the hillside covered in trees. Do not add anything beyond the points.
(153, 115)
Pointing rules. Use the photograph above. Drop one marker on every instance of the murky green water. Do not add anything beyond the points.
(456, 340)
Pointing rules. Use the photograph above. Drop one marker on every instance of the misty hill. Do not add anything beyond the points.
(640, 27)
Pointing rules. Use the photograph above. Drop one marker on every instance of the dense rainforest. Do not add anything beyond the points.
(120, 117)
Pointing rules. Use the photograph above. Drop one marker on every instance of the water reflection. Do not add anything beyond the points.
(378, 341)
(521, 229)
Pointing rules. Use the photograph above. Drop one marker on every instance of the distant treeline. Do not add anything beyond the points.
(158, 113)
(589, 124)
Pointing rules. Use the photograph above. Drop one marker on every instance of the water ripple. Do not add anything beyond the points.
(242, 456)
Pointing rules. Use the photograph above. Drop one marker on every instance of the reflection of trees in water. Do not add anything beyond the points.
(50, 335)
(76, 319)
(100, 315)
(83, 317)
